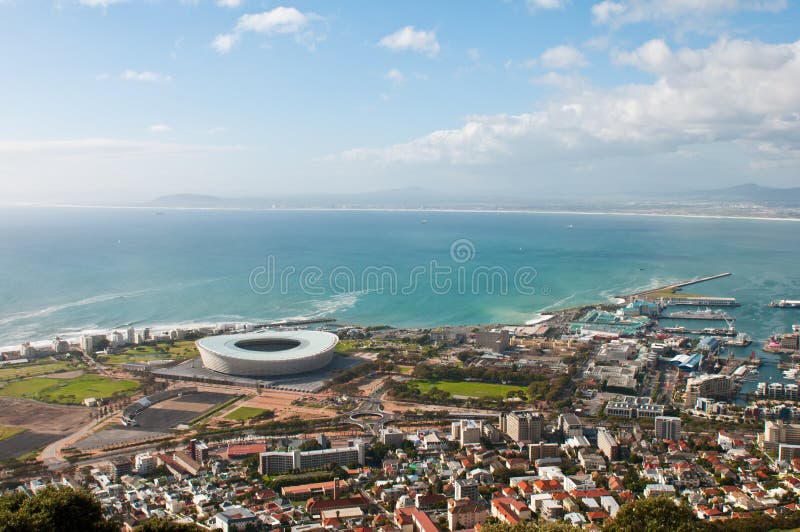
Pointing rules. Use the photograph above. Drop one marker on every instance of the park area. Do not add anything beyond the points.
(468, 389)
(43, 367)
(68, 391)
(182, 350)
(245, 413)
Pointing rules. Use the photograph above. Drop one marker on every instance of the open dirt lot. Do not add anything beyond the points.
(158, 420)
(45, 424)
(280, 402)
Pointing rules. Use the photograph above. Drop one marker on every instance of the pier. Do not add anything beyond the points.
(700, 315)
(669, 296)
(712, 332)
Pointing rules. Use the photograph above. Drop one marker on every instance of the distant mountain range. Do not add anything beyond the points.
(736, 197)
(755, 194)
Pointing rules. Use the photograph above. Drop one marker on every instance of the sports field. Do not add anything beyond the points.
(20, 371)
(68, 391)
(469, 389)
(244, 413)
(182, 350)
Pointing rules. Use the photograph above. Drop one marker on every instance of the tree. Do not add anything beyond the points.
(159, 524)
(54, 509)
(659, 514)
(310, 445)
(493, 525)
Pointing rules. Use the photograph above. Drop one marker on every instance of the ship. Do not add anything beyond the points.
(706, 314)
(785, 303)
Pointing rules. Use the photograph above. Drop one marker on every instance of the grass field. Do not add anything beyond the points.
(182, 350)
(22, 371)
(68, 391)
(7, 432)
(469, 389)
(244, 413)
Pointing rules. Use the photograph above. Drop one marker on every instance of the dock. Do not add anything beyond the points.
(677, 299)
(711, 332)
(689, 315)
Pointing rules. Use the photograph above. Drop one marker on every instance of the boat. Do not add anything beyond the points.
(785, 303)
(423, 221)
(791, 374)
(706, 314)
(741, 340)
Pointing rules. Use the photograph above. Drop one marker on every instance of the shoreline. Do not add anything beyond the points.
(414, 210)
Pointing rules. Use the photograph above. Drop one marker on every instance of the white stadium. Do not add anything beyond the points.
(268, 353)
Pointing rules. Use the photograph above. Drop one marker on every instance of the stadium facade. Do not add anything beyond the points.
(268, 353)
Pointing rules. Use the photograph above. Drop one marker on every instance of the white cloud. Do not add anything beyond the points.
(160, 128)
(536, 5)
(563, 57)
(224, 43)
(396, 77)
(734, 91)
(144, 75)
(229, 3)
(278, 21)
(410, 39)
(620, 12)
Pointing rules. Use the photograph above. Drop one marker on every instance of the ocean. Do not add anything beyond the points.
(67, 270)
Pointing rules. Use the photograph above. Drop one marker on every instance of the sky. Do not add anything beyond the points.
(125, 100)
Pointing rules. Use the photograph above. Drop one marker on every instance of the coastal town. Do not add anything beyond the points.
(566, 420)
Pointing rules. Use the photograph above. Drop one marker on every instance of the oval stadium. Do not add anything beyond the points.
(267, 353)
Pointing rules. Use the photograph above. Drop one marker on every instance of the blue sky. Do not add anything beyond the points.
(125, 100)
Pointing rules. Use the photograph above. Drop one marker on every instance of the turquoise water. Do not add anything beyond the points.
(66, 270)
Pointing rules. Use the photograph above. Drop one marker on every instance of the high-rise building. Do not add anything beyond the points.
(570, 425)
(87, 344)
(668, 428)
(716, 386)
(467, 431)
(779, 433)
(522, 425)
(131, 336)
(466, 488)
(391, 437)
(607, 443)
(144, 463)
(497, 341)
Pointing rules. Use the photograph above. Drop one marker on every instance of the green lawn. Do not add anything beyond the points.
(20, 371)
(469, 389)
(68, 391)
(182, 350)
(7, 432)
(245, 413)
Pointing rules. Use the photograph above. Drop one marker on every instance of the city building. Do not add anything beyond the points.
(608, 444)
(466, 489)
(570, 425)
(464, 514)
(668, 428)
(497, 341)
(391, 437)
(235, 518)
(522, 425)
(716, 386)
(274, 462)
(144, 463)
(466, 431)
